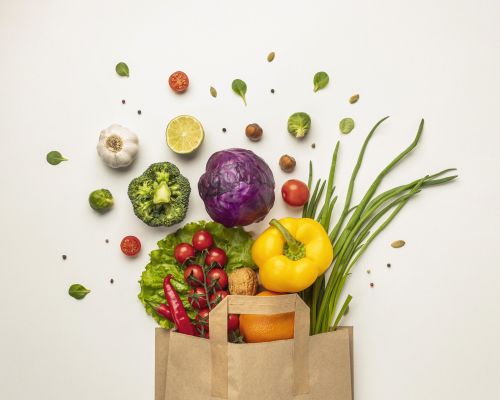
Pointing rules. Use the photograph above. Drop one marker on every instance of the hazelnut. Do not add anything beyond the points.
(287, 163)
(243, 282)
(254, 132)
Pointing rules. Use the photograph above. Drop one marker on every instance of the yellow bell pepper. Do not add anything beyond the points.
(291, 254)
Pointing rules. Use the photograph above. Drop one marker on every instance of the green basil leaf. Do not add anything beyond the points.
(122, 69)
(240, 87)
(346, 125)
(213, 92)
(54, 158)
(320, 80)
(78, 291)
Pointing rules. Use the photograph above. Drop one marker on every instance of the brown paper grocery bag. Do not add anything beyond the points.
(316, 367)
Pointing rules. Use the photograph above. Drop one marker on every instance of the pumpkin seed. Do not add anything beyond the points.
(354, 99)
(270, 57)
(213, 92)
(398, 243)
(346, 125)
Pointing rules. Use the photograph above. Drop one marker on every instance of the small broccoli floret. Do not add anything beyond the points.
(160, 196)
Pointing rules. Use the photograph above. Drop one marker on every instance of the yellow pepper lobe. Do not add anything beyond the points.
(278, 272)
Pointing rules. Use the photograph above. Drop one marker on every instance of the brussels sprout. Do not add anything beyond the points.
(299, 124)
(101, 200)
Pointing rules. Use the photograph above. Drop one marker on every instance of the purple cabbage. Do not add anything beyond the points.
(237, 187)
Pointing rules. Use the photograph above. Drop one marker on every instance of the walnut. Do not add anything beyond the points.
(243, 282)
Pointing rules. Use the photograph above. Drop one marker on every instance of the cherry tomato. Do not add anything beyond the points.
(178, 81)
(183, 252)
(221, 295)
(233, 323)
(295, 193)
(130, 246)
(202, 240)
(197, 272)
(216, 255)
(217, 273)
(202, 314)
(200, 303)
(207, 336)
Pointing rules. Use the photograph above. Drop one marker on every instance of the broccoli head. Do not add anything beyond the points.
(160, 196)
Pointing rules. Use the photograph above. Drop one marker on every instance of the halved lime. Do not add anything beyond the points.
(184, 134)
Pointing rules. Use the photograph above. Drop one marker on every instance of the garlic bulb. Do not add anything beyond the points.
(118, 146)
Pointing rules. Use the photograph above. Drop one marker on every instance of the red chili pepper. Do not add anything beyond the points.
(161, 309)
(181, 318)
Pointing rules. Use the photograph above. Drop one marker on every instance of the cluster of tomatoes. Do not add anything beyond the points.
(207, 283)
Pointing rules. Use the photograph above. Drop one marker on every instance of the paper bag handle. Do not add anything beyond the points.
(263, 305)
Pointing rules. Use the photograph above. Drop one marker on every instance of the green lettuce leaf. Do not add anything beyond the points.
(234, 241)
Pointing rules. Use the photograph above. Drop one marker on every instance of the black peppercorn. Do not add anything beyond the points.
(313, 145)
(64, 257)
(111, 280)
(223, 129)
(272, 90)
(388, 265)
(139, 112)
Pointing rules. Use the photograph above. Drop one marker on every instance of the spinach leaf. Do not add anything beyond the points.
(346, 125)
(240, 88)
(78, 291)
(320, 80)
(122, 69)
(54, 158)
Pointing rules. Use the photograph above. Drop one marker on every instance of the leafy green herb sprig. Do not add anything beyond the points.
(54, 158)
(78, 291)
(320, 80)
(240, 88)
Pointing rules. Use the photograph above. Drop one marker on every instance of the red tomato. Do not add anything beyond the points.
(202, 314)
(200, 303)
(130, 246)
(233, 323)
(197, 272)
(178, 81)
(183, 252)
(217, 273)
(202, 240)
(216, 255)
(221, 294)
(295, 193)
(207, 336)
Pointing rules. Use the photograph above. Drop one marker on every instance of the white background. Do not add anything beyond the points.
(429, 327)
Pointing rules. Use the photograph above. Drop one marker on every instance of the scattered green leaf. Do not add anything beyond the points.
(240, 88)
(78, 291)
(213, 92)
(270, 57)
(54, 158)
(122, 69)
(346, 125)
(320, 80)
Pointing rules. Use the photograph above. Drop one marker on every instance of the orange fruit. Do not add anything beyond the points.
(267, 328)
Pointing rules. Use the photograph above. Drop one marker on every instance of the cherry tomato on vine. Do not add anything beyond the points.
(295, 193)
(130, 245)
(202, 240)
(233, 323)
(207, 336)
(216, 255)
(197, 272)
(221, 294)
(183, 252)
(178, 81)
(202, 314)
(201, 302)
(217, 273)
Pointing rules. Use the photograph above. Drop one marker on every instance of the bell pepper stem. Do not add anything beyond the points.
(293, 246)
